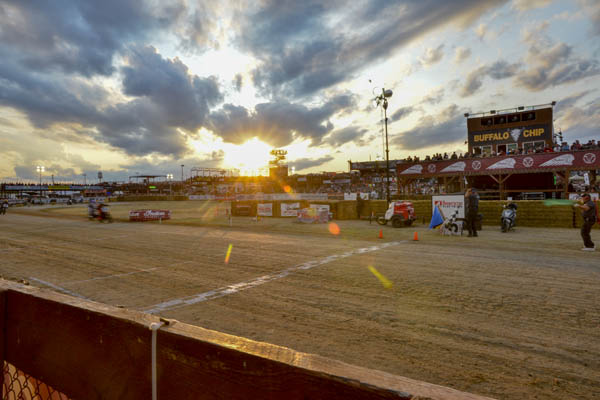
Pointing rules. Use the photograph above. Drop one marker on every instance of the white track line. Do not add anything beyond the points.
(224, 291)
(138, 271)
(60, 289)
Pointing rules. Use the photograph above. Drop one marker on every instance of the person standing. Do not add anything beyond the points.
(472, 211)
(359, 205)
(588, 212)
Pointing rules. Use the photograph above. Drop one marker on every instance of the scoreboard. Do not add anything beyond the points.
(526, 130)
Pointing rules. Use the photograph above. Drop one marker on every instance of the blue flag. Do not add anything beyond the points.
(436, 218)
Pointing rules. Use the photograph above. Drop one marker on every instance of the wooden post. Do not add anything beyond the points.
(566, 182)
(2, 336)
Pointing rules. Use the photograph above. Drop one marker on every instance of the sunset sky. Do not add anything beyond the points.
(141, 87)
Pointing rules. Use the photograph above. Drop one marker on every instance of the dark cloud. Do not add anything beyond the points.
(432, 56)
(305, 163)
(555, 66)
(565, 104)
(430, 132)
(435, 97)
(579, 122)
(461, 54)
(166, 100)
(302, 52)
(402, 112)
(502, 70)
(238, 82)
(79, 37)
(473, 82)
(278, 123)
(345, 135)
(182, 99)
(498, 70)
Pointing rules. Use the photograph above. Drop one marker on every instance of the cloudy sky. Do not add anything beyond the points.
(141, 87)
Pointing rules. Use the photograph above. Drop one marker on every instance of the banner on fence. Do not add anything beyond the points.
(265, 209)
(313, 215)
(149, 215)
(320, 207)
(349, 196)
(289, 209)
(448, 204)
(577, 196)
(201, 197)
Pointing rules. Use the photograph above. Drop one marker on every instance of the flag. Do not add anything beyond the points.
(436, 218)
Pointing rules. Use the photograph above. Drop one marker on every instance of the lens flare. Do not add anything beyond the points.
(384, 281)
(228, 254)
(334, 229)
(287, 188)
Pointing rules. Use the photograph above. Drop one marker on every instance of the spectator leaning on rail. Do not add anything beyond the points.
(589, 219)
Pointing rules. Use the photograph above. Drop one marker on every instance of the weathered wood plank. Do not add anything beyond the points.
(93, 351)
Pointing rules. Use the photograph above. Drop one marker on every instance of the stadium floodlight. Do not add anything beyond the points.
(40, 169)
(493, 112)
(382, 100)
(521, 108)
(170, 179)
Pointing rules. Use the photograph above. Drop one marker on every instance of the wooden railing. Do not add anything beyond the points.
(89, 351)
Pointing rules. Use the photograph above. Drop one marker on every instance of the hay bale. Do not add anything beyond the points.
(346, 209)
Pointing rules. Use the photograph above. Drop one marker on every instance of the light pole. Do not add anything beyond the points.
(170, 179)
(84, 179)
(182, 186)
(40, 169)
(382, 100)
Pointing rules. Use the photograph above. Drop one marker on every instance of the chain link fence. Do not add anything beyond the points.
(17, 385)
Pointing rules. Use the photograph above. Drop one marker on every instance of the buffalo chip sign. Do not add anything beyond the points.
(149, 215)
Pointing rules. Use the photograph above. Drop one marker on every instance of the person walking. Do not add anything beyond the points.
(472, 211)
(588, 212)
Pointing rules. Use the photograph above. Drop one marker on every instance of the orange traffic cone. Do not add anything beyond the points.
(381, 234)
(416, 236)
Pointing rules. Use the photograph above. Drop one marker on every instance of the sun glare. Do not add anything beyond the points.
(249, 157)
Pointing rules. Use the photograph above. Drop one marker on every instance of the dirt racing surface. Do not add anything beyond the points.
(507, 315)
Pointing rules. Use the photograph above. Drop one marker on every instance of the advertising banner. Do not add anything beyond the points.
(447, 204)
(289, 209)
(349, 196)
(320, 207)
(313, 216)
(525, 163)
(577, 196)
(149, 215)
(530, 133)
(264, 209)
(201, 197)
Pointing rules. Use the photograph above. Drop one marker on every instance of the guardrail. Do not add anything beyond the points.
(67, 347)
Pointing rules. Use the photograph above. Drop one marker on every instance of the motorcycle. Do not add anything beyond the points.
(104, 214)
(508, 218)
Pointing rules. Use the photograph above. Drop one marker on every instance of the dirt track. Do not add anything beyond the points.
(511, 316)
